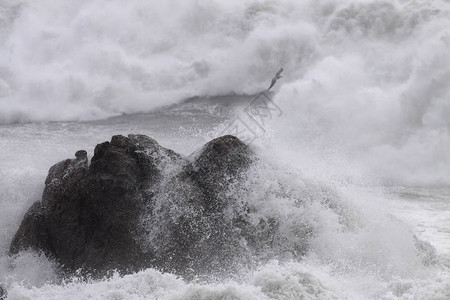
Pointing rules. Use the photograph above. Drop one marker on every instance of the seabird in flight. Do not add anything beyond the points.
(275, 78)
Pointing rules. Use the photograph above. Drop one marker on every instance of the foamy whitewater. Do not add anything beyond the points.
(363, 138)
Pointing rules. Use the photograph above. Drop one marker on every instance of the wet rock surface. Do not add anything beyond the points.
(139, 205)
(3, 292)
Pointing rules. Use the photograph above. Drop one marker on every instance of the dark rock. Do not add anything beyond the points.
(218, 166)
(3, 292)
(81, 154)
(139, 205)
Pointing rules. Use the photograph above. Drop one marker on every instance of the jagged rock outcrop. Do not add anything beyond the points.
(140, 205)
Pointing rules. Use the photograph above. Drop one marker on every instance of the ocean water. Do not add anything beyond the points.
(357, 128)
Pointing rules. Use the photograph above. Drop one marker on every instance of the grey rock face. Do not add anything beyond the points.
(3, 292)
(140, 205)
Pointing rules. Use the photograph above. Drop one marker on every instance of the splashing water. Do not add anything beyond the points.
(365, 104)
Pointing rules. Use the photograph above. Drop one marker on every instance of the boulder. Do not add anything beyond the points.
(139, 205)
